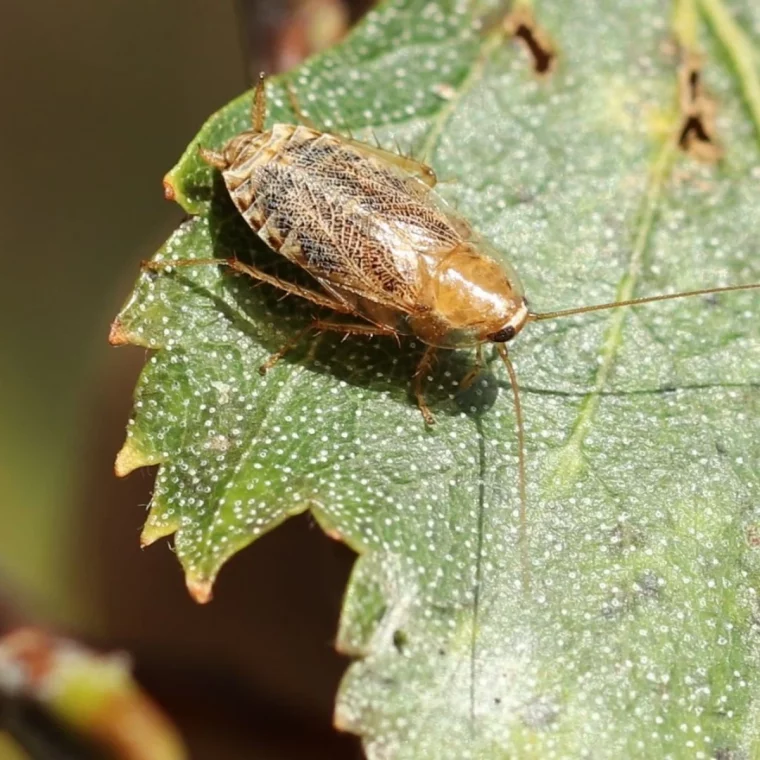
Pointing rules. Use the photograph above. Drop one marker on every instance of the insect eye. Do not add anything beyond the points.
(503, 335)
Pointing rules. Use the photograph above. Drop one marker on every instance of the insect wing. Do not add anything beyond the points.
(358, 222)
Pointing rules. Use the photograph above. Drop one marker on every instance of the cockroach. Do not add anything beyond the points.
(381, 246)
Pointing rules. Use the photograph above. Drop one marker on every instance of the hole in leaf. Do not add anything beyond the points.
(542, 57)
(693, 129)
(697, 135)
(521, 25)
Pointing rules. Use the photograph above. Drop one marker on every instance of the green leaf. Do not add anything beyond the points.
(637, 635)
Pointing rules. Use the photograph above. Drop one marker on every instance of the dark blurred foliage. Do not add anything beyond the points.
(99, 100)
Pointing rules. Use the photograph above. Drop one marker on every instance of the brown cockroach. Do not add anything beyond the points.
(380, 246)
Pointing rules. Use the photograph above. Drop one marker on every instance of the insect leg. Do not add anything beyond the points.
(318, 324)
(287, 348)
(320, 299)
(420, 375)
(213, 157)
(259, 105)
(470, 377)
(353, 328)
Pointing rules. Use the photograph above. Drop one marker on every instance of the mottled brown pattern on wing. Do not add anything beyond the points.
(343, 214)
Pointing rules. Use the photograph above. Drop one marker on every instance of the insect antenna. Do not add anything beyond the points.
(540, 317)
(502, 349)
(259, 104)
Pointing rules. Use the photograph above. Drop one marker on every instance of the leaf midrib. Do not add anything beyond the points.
(626, 289)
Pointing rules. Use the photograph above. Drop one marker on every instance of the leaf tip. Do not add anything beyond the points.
(152, 532)
(343, 719)
(158, 525)
(170, 192)
(117, 335)
(200, 588)
(130, 458)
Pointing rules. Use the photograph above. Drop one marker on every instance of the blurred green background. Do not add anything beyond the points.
(99, 100)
